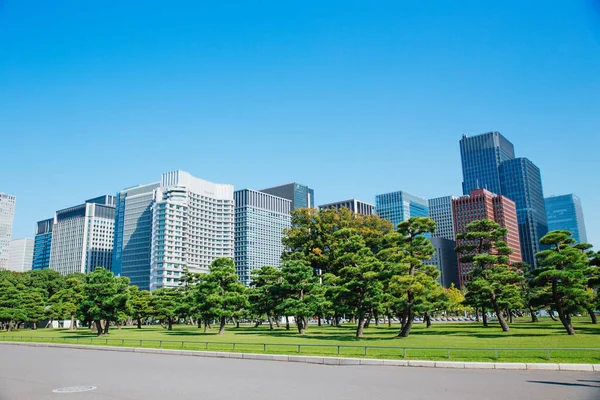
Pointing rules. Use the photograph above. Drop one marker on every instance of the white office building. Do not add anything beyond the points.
(192, 225)
(440, 210)
(20, 255)
(83, 236)
(7, 216)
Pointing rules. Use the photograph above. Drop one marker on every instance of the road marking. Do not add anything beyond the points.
(74, 389)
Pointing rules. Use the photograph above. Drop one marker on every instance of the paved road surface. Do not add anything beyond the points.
(32, 373)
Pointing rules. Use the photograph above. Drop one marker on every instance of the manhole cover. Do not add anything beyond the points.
(74, 389)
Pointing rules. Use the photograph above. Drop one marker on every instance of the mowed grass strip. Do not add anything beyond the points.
(462, 340)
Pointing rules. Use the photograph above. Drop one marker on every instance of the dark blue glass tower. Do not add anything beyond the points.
(300, 195)
(521, 181)
(481, 157)
(42, 244)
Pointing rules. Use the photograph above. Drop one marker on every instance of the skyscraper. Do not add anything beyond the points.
(565, 213)
(83, 236)
(260, 219)
(192, 225)
(20, 255)
(356, 206)
(133, 234)
(300, 195)
(42, 244)
(482, 204)
(399, 206)
(7, 215)
(481, 156)
(440, 210)
(444, 257)
(521, 181)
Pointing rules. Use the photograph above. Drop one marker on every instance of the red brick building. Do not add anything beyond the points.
(482, 204)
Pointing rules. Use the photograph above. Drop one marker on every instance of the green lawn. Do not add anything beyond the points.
(523, 335)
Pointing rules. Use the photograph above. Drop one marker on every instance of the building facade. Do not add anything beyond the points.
(42, 244)
(481, 157)
(440, 210)
(7, 216)
(300, 195)
(565, 213)
(521, 182)
(356, 206)
(482, 204)
(133, 234)
(260, 219)
(20, 255)
(399, 206)
(192, 225)
(444, 257)
(83, 236)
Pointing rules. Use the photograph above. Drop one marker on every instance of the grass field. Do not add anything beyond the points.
(325, 340)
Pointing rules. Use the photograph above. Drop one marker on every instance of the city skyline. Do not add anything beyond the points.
(352, 101)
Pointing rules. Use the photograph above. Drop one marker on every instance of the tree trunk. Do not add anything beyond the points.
(510, 316)
(367, 320)
(270, 322)
(499, 315)
(287, 323)
(361, 325)
(221, 325)
(484, 317)
(257, 323)
(476, 315)
(427, 319)
(590, 311)
(564, 317)
(376, 316)
(389, 318)
(534, 317)
(300, 325)
(139, 323)
(405, 331)
(106, 327)
(277, 323)
(98, 327)
(319, 323)
(170, 324)
(551, 314)
(9, 326)
(205, 326)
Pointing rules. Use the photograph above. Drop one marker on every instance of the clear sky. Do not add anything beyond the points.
(351, 98)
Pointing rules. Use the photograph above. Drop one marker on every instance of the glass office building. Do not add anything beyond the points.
(300, 195)
(440, 210)
(133, 234)
(42, 243)
(7, 215)
(565, 213)
(481, 157)
(260, 219)
(399, 206)
(522, 183)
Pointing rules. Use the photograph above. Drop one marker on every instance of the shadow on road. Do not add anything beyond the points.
(567, 383)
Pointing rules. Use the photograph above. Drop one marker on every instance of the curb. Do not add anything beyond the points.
(337, 361)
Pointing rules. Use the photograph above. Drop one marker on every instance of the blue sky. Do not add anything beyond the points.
(351, 98)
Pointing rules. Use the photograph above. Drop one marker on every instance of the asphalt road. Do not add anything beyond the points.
(33, 372)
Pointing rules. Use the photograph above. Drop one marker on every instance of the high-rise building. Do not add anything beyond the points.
(301, 196)
(20, 255)
(260, 219)
(133, 234)
(356, 206)
(440, 210)
(7, 215)
(481, 157)
(42, 244)
(444, 257)
(521, 181)
(192, 225)
(565, 213)
(482, 204)
(399, 206)
(83, 236)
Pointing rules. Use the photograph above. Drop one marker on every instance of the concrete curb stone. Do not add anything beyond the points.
(479, 365)
(576, 367)
(510, 366)
(542, 367)
(449, 364)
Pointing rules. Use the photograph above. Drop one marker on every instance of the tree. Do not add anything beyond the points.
(104, 297)
(228, 296)
(66, 302)
(263, 296)
(166, 303)
(455, 300)
(359, 276)
(413, 283)
(492, 280)
(141, 304)
(561, 276)
(11, 300)
(301, 292)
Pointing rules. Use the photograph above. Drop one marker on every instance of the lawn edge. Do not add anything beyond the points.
(336, 361)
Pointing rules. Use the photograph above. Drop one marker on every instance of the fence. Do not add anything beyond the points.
(322, 349)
